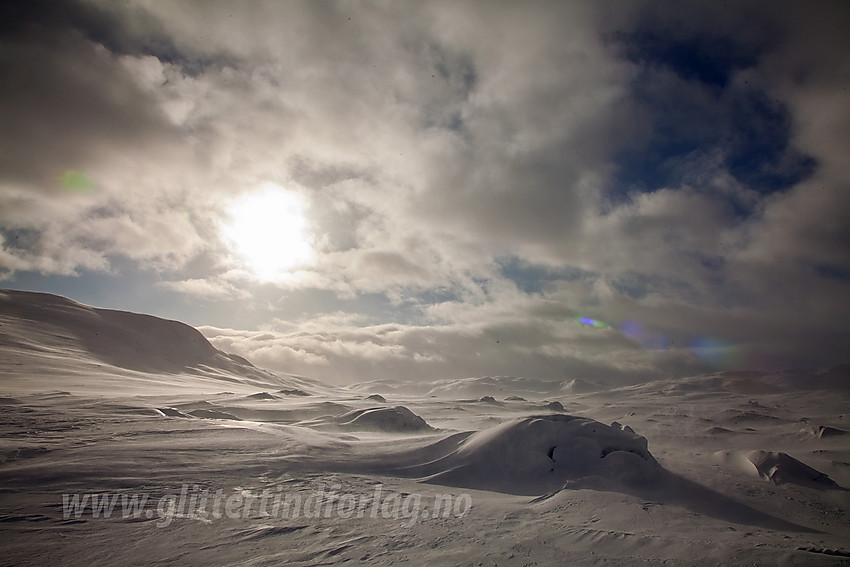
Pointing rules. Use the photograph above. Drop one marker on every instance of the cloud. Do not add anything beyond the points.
(347, 354)
(69, 102)
(480, 169)
(207, 289)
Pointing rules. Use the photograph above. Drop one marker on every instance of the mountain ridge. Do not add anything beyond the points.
(58, 326)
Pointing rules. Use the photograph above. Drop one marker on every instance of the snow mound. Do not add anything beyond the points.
(293, 392)
(540, 454)
(721, 431)
(171, 412)
(262, 396)
(213, 414)
(821, 431)
(778, 468)
(397, 419)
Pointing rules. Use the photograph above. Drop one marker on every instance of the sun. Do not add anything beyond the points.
(267, 229)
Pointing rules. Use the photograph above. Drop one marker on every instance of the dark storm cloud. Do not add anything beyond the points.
(130, 32)
(65, 99)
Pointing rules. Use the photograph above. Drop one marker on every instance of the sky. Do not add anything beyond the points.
(354, 190)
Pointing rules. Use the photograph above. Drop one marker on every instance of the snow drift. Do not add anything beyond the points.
(398, 419)
(821, 431)
(776, 467)
(540, 454)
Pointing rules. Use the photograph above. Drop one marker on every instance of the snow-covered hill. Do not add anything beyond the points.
(44, 337)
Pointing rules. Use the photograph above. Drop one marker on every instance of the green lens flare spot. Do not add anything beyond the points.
(76, 181)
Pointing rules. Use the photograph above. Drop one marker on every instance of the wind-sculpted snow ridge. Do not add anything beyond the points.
(540, 454)
(398, 419)
(825, 431)
(778, 468)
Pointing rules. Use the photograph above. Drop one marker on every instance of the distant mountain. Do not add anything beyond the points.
(834, 378)
(754, 382)
(48, 328)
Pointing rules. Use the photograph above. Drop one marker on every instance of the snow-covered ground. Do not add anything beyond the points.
(205, 459)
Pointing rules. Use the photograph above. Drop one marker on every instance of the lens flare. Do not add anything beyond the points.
(716, 352)
(76, 181)
(648, 340)
(593, 322)
(632, 329)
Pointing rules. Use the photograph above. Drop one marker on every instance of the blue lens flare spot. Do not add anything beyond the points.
(595, 323)
(632, 329)
(716, 352)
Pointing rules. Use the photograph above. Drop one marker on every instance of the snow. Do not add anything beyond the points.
(398, 419)
(540, 454)
(54, 335)
(731, 468)
(777, 468)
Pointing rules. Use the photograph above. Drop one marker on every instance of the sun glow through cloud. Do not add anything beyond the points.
(268, 231)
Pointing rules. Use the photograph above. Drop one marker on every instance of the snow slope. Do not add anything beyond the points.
(728, 468)
(44, 335)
